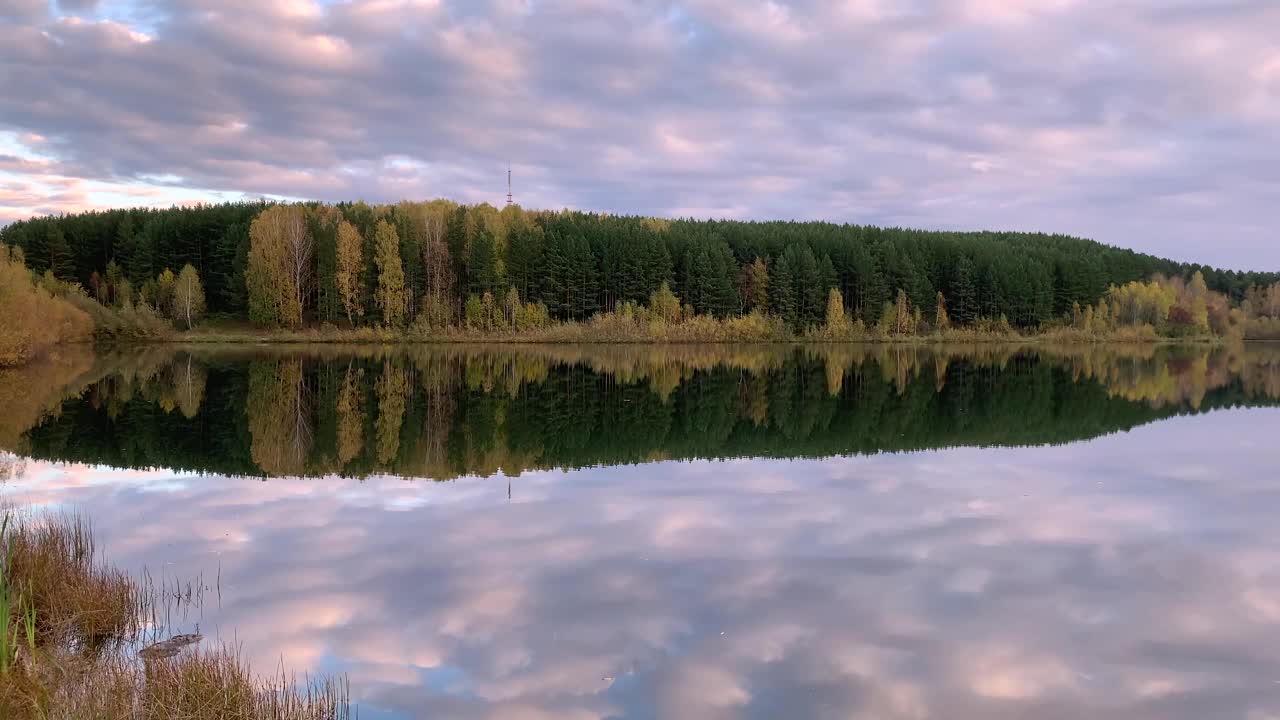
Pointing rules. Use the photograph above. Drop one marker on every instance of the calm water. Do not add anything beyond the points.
(696, 532)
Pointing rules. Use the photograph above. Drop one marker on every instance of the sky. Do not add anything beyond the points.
(1147, 124)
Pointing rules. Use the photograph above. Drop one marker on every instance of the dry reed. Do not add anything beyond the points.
(71, 636)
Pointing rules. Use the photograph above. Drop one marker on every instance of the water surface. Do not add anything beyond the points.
(696, 532)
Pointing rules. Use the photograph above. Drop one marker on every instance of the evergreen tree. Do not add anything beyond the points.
(708, 281)
(412, 233)
(456, 239)
(569, 286)
(524, 257)
(782, 285)
(800, 286)
(816, 292)
(482, 265)
(646, 264)
(446, 249)
(126, 247)
(57, 255)
(964, 292)
(229, 258)
(323, 223)
(139, 258)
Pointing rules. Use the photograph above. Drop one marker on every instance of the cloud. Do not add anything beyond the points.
(1151, 125)
(971, 583)
(77, 6)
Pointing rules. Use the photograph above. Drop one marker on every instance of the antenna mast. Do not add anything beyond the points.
(509, 201)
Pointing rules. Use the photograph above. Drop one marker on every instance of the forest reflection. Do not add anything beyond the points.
(442, 412)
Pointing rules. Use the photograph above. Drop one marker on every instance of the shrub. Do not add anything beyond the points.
(1263, 329)
(34, 319)
(128, 323)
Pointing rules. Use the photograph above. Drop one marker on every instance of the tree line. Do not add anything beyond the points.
(441, 264)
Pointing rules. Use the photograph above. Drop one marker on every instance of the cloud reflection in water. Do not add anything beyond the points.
(1131, 576)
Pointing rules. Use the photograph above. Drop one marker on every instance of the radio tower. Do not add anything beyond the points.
(509, 201)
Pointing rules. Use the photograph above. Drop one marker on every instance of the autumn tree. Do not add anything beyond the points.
(902, 315)
(836, 318)
(98, 288)
(390, 293)
(511, 307)
(161, 295)
(123, 292)
(438, 277)
(1199, 300)
(279, 262)
(753, 286)
(188, 302)
(941, 320)
(664, 304)
(437, 265)
(350, 262)
(280, 273)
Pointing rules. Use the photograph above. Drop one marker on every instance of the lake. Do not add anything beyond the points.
(694, 531)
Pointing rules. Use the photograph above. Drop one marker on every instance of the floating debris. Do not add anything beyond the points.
(168, 648)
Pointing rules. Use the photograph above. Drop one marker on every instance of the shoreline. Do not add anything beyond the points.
(364, 336)
(1061, 341)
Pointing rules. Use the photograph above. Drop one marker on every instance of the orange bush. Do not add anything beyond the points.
(32, 320)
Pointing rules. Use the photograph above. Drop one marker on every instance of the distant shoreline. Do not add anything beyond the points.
(332, 336)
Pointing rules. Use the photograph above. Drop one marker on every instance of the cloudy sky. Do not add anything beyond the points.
(1145, 123)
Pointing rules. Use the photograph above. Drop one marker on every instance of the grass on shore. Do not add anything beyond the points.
(70, 634)
(611, 329)
(1262, 330)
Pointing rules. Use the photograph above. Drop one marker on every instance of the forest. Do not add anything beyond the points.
(438, 266)
(442, 413)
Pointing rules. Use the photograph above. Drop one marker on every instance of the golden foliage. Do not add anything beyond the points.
(390, 295)
(188, 296)
(350, 262)
(279, 274)
(32, 320)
